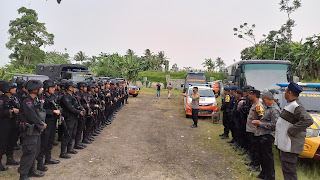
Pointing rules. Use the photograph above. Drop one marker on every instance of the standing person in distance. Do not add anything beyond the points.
(195, 106)
(31, 137)
(291, 131)
(169, 87)
(158, 89)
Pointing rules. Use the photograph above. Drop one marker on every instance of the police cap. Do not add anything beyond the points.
(226, 89)
(233, 88)
(33, 85)
(295, 88)
(255, 92)
(247, 88)
(111, 83)
(21, 83)
(239, 91)
(6, 86)
(48, 83)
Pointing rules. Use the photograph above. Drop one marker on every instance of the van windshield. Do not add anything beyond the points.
(265, 76)
(203, 92)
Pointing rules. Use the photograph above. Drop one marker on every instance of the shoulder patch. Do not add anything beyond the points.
(259, 110)
(227, 98)
(29, 104)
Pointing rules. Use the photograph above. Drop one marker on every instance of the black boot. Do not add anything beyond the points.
(11, 161)
(86, 141)
(64, 153)
(24, 177)
(78, 146)
(49, 160)
(72, 151)
(35, 173)
(41, 166)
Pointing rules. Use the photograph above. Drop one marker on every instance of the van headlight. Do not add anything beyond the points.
(189, 101)
(312, 132)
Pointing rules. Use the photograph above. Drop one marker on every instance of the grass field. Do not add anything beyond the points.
(308, 169)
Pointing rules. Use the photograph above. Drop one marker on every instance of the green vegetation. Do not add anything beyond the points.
(155, 76)
(278, 44)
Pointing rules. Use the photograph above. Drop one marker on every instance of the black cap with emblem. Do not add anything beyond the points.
(33, 85)
(255, 92)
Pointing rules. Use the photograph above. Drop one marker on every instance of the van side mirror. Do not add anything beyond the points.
(238, 72)
(182, 85)
(298, 72)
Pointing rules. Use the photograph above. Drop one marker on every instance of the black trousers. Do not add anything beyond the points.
(289, 165)
(47, 140)
(265, 143)
(30, 150)
(67, 140)
(80, 130)
(242, 136)
(195, 116)
(88, 128)
(226, 123)
(253, 149)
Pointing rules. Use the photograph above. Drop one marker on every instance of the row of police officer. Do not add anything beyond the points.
(34, 109)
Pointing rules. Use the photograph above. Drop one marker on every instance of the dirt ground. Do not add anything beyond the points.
(149, 139)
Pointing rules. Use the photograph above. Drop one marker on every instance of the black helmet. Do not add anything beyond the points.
(91, 86)
(100, 83)
(33, 85)
(82, 84)
(63, 82)
(48, 83)
(7, 86)
(21, 83)
(68, 84)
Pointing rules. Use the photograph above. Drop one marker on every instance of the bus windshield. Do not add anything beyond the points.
(265, 76)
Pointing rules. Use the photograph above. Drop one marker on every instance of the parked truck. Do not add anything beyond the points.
(74, 72)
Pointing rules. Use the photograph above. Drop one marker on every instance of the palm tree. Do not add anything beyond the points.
(80, 56)
(161, 60)
(130, 53)
(209, 64)
(220, 63)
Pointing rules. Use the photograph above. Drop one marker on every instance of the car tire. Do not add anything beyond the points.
(135, 95)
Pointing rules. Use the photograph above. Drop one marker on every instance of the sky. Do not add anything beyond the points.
(188, 31)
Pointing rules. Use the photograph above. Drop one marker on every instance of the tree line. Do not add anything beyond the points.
(278, 44)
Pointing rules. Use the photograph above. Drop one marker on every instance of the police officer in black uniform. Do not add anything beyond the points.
(48, 135)
(60, 93)
(231, 114)
(8, 114)
(31, 134)
(71, 113)
(88, 132)
(226, 111)
(82, 98)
